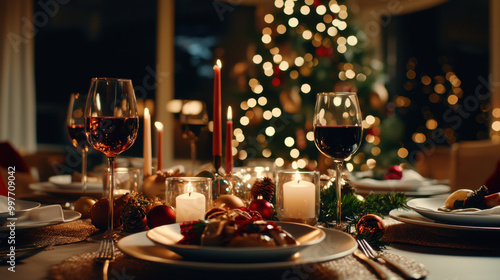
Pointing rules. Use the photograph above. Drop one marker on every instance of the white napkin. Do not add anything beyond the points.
(42, 215)
(410, 181)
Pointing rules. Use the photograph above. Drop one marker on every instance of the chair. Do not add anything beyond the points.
(472, 163)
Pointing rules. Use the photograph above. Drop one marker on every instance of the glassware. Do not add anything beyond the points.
(194, 120)
(297, 196)
(111, 125)
(75, 124)
(190, 196)
(337, 132)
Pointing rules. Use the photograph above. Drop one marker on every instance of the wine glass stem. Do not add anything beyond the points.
(111, 180)
(84, 168)
(193, 155)
(338, 190)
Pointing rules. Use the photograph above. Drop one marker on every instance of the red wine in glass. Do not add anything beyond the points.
(77, 135)
(192, 129)
(112, 135)
(338, 142)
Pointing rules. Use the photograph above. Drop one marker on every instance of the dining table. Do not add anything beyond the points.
(434, 250)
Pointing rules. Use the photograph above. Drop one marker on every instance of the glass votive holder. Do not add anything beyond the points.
(249, 175)
(191, 197)
(127, 180)
(298, 196)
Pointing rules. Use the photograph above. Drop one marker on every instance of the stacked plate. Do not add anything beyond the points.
(316, 245)
(63, 184)
(425, 211)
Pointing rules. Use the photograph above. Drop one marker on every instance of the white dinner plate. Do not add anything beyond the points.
(428, 207)
(410, 181)
(423, 191)
(53, 189)
(336, 244)
(20, 206)
(68, 216)
(65, 182)
(412, 217)
(305, 235)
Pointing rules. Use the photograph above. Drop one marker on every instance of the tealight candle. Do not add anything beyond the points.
(190, 206)
(299, 199)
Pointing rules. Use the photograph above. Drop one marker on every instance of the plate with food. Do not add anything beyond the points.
(462, 207)
(336, 244)
(235, 236)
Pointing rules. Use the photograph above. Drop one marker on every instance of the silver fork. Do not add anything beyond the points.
(370, 252)
(106, 254)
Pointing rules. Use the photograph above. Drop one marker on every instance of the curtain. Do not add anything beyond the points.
(17, 74)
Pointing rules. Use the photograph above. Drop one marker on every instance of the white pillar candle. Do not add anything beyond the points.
(190, 206)
(299, 199)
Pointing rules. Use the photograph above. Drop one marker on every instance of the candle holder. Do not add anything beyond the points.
(298, 196)
(191, 197)
(249, 175)
(127, 180)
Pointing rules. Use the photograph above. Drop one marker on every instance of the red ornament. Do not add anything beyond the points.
(394, 173)
(264, 207)
(160, 215)
(371, 225)
(99, 214)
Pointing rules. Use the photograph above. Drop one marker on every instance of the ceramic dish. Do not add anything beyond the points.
(305, 235)
(428, 207)
(336, 244)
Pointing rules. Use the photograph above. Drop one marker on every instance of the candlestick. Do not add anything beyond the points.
(217, 134)
(299, 199)
(229, 139)
(190, 206)
(159, 129)
(147, 153)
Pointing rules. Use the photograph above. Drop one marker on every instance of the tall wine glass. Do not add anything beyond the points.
(75, 124)
(337, 131)
(111, 125)
(194, 120)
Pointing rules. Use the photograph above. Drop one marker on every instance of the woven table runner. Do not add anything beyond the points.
(441, 237)
(85, 266)
(64, 233)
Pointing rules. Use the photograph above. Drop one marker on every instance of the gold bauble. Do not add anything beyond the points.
(83, 205)
(228, 201)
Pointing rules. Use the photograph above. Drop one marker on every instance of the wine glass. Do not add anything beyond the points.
(75, 123)
(337, 131)
(194, 120)
(111, 125)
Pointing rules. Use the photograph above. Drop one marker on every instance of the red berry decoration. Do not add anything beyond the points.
(160, 215)
(371, 225)
(264, 207)
(394, 173)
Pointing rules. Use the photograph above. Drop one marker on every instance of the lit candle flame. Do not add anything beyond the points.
(146, 111)
(159, 126)
(229, 113)
(219, 64)
(298, 177)
(189, 188)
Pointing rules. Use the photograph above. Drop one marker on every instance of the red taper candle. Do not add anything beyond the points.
(229, 140)
(159, 129)
(217, 134)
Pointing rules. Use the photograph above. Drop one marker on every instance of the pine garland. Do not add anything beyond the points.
(354, 207)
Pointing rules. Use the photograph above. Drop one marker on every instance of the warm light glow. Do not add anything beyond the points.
(266, 39)
(244, 121)
(262, 101)
(293, 22)
(418, 137)
(305, 88)
(269, 18)
(310, 136)
(257, 59)
(229, 114)
(276, 112)
(243, 155)
(402, 152)
(289, 141)
(321, 10)
(335, 8)
(258, 89)
(266, 153)
(370, 119)
(294, 153)
(270, 131)
(281, 29)
(219, 63)
(431, 124)
(305, 10)
(279, 162)
(495, 126)
(267, 115)
(332, 31)
(159, 126)
(352, 40)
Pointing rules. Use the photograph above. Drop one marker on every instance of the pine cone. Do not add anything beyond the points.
(476, 199)
(133, 216)
(263, 187)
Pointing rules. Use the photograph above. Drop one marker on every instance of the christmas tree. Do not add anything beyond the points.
(306, 47)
